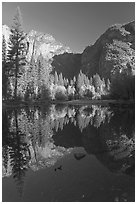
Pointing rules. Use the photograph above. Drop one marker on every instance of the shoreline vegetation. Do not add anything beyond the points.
(79, 102)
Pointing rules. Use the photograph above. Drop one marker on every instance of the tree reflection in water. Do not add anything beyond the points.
(36, 137)
(15, 149)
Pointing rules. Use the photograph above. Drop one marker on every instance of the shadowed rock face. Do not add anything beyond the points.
(113, 51)
(68, 63)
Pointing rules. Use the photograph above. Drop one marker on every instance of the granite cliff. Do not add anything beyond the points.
(113, 52)
(38, 43)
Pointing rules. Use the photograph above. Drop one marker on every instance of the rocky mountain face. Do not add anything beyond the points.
(113, 52)
(61, 57)
(38, 43)
(44, 44)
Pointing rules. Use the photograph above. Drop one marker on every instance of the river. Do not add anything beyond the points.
(62, 153)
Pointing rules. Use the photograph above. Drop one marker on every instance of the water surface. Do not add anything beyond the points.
(68, 153)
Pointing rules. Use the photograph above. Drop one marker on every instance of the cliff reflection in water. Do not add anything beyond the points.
(35, 138)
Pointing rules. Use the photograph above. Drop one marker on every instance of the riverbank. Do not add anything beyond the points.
(114, 103)
(20, 104)
(87, 102)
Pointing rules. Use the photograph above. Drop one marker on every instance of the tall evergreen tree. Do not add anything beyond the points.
(80, 80)
(61, 81)
(86, 80)
(39, 77)
(97, 82)
(16, 54)
(66, 82)
(56, 78)
(91, 80)
(108, 85)
(71, 82)
(74, 81)
(3, 49)
(4, 69)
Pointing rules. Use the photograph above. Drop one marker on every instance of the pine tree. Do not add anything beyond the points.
(66, 82)
(4, 69)
(30, 80)
(86, 80)
(90, 81)
(108, 85)
(61, 81)
(3, 49)
(74, 79)
(71, 82)
(39, 74)
(80, 80)
(97, 82)
(56, 78)
(51, 79)
(16, 54)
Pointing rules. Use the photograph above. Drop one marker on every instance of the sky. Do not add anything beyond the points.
(75, 24)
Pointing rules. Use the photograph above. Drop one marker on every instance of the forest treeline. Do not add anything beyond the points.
(37, 81)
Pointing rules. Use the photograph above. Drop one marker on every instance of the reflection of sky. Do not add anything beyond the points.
(76, 25)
